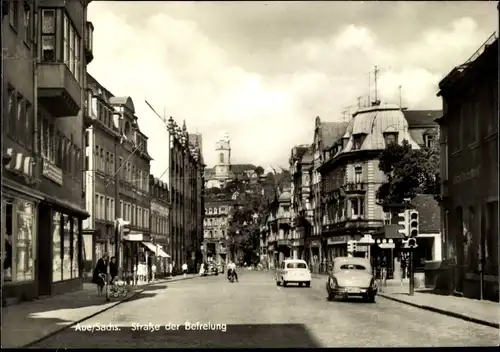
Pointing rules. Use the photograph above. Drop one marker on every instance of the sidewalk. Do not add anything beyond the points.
(480, 312)
(28, 322)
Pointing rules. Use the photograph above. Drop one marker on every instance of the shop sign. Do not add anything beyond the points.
(362, 248)
(467, 175)
(52, 172)
(315, 243)
(337, 240)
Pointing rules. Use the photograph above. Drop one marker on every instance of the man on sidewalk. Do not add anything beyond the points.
(184, 269)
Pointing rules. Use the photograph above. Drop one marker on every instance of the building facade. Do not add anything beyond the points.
(216, 229)
(42, 190)
(469, 174)
(160, 209)
(299, 223)
(186, 196)
(117, 166)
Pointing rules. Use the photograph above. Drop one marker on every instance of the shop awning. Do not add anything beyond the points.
(150, 246)
(162, 253)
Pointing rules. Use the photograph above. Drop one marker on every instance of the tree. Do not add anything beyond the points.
(234, 186)
(259, 170)
(212, 191)
(409, 172)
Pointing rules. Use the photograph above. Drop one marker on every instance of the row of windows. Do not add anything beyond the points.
(19, 123)
(214, 222)
(130, 173)
(57, 148)
(351, 208)
(105, 161)
(137, 215)
(159, 225)
(71, 42)
(214, 234)
(15, 12)
(219, 210)
(104, 210)
(160, 192)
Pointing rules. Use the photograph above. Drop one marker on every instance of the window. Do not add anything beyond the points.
(221, 158)
(357, 142)
(112, 163)
(358, 174)
(12, 111)
(296, 266)
(352, 267)
(28, 126)
(56, 247)
(27, 23)
(14, 14)
(67, 247)
(390, 138)
(102, 208)
(121, 209)
(19, 240)
(101, 160)
(147, 218)
(71, 48)
(48, 35)
(134, 215)
(97, 210)
(387, 218)
(428, 140)
(19, 115)
(357, 207)
(75, 266)
(77, 58)
(107, 166)
(52, 143)
(121, 168)
(66, 41)
(133, 175)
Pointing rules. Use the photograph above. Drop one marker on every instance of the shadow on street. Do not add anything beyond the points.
(251, 335)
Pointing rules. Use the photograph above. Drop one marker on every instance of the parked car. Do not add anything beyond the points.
(293, 271)
(351, 277)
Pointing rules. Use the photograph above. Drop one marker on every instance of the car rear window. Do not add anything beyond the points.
(352, 267)
(296, 266)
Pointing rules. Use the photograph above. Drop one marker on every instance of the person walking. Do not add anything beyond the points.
(184, 269)
(100, 274)
(113, 269)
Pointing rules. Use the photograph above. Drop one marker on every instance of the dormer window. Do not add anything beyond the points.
(357, 141)
(429, 140)
(344, 142)
(390, 138)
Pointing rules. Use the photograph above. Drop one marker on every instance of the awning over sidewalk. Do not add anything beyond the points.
(162, 253)
(149, 246)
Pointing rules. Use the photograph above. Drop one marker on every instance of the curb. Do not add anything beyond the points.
(444, 312)
(135, 293)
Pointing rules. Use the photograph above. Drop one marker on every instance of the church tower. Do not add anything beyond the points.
(223, 151)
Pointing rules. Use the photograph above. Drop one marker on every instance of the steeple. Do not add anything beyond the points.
(184, 128)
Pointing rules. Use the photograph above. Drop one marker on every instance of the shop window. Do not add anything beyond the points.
(66, 258)
(75, 266)
(48, 35)
(56, 247)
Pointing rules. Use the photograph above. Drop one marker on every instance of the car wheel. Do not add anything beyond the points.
(277, 282)
(331, 296)
(370, 298)
(285, 283)
(308, 284)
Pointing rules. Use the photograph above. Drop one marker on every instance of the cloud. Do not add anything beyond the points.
(180, 69)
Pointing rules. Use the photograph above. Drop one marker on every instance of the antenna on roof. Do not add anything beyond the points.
(375, 74)
(400, 98)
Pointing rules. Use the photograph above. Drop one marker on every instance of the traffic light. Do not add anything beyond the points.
(122, 228)
(404, 222)
(351, 246)
(413, 223)
(412, 242)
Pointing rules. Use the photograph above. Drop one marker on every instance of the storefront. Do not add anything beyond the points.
(19, 241)
(336, 247)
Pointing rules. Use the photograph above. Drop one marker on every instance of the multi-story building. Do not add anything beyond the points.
(116, 177)
(216, 229)
(351, 178)
(186, 189)
(299, 222)
(325, 133)
(469, 174)
(160, 209)
(46, 48)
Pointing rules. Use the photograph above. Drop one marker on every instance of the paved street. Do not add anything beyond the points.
(257, 313)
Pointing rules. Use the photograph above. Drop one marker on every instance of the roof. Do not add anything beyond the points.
(422, 118)
(308, 156)
(241, 168)
(332, 131)
(126, 101)
(429, 213)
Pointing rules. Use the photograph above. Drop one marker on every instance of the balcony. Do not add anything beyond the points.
(58, 90)
(355, 187)
(89, 42)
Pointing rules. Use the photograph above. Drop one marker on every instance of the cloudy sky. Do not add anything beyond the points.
(263, 71)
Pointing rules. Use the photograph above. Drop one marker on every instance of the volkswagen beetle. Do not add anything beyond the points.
(351, 277)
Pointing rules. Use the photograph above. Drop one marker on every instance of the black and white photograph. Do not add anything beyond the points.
(249, 174)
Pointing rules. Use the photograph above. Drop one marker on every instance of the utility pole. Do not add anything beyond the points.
(369, 89)
(375, 73)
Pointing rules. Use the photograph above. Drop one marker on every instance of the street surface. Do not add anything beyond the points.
(257, 313)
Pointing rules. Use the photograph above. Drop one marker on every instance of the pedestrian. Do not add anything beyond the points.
(383, 274)
(113, 269)
(170, 267)
(100, 273)
(403, 268)
(184, 269)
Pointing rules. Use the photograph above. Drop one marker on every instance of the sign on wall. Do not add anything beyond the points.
(337, 240)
